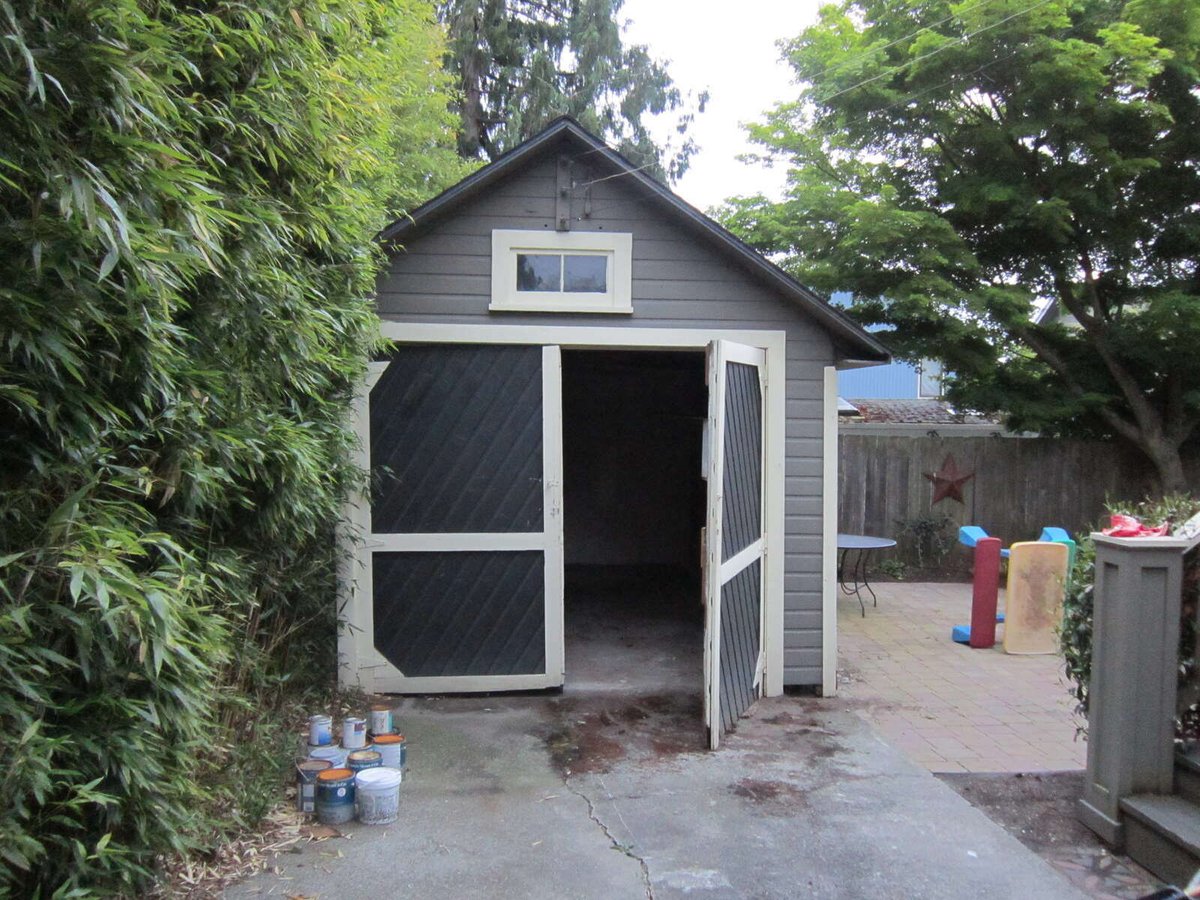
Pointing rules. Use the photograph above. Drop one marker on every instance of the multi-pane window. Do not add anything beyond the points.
(534, 271)
(555, 272)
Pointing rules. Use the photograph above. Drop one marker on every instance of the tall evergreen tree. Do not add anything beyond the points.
(521, 63)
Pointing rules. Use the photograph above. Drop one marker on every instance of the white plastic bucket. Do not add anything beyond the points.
(377, 795)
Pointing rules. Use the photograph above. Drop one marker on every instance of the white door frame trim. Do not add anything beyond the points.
(717, 573)
(356, 646)
(829, 513)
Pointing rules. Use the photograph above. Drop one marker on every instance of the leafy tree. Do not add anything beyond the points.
(189, 195)
(521, 63)
(957, 164)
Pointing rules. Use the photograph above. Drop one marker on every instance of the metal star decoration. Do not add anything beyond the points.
(949, 481)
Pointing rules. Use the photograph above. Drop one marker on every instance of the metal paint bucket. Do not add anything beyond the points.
(393, 749)
(335, 796)
(358, 760)
(320, 730)
(354, 733)
(331, 752)
(377, 793)
(381, 719)
(306, 783)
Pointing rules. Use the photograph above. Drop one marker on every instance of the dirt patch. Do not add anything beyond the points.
(777, 797)
(1038, 809)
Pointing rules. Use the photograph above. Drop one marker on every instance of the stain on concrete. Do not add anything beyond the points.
(774, 797)
(591, 737)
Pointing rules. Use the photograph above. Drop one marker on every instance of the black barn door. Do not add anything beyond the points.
(466, 521)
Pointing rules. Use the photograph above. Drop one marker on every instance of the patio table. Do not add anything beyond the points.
(862, 545)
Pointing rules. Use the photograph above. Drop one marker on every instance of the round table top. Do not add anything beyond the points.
(863, 542)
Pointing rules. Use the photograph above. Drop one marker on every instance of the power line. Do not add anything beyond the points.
(932, 53)
(911, 35)
(908, 98)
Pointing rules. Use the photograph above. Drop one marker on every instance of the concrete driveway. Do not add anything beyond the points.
(608, 794)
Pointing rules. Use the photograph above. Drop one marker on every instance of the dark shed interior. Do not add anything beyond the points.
(634, 504)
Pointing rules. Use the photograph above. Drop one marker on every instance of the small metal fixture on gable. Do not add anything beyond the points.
(562, 196)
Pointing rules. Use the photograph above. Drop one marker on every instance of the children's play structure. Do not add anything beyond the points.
(1037, 579)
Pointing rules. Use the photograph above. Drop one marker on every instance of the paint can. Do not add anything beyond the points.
(358, 760)
(393, 750)
(320, 730)
(331, 752)
(377, 793)
(335, 796)
(306, 783)
(354, 733)
(381, 719)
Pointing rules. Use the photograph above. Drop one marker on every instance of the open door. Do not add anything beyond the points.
(464, 564)
(734, 545)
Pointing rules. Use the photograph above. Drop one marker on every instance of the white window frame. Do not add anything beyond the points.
(617, 247)
(923, 394)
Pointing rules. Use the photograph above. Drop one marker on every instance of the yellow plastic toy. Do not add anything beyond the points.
(1037, 577)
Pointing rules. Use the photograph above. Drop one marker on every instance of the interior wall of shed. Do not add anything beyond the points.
(632, 430)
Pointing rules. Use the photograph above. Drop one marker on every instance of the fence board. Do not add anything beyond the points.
(1020, 485)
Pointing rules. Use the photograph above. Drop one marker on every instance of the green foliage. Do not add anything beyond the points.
(957, 166)
(521, 63)
(1075, 635)
(928, 538)
(188, 200)
(893, 568)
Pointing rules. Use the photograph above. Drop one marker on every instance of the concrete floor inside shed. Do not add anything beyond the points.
(634, 659)
(633, 630)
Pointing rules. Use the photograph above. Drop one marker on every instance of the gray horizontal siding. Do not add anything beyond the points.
(679, 281)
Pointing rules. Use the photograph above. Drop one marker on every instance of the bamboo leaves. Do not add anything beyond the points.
(188, 202)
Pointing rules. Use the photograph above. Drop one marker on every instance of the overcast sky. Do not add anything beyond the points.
(728, 48)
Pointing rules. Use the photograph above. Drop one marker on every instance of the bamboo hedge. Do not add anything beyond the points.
(188, 198)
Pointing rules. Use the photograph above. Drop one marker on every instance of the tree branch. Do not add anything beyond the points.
(1128, 430)
(1066, 293)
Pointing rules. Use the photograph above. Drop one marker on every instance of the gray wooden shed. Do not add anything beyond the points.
(586, 370)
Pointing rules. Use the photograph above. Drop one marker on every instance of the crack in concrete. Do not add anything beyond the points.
(627, 849)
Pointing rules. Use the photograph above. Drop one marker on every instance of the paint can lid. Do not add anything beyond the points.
(381, 707)
(364, 755)
(334, 774)
(314, 765)
(380, 777)
(388, 739)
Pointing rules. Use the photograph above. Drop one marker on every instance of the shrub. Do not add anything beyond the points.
(1076, 631)
(189, 195)
(926, 538)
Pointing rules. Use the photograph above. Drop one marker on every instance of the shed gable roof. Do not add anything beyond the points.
(856, 343)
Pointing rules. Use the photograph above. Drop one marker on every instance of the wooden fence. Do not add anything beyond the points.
(1019, 485)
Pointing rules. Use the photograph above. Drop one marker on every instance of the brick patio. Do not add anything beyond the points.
(948, 707)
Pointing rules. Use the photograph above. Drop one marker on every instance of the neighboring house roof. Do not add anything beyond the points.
(856, 343)
(923, 412)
